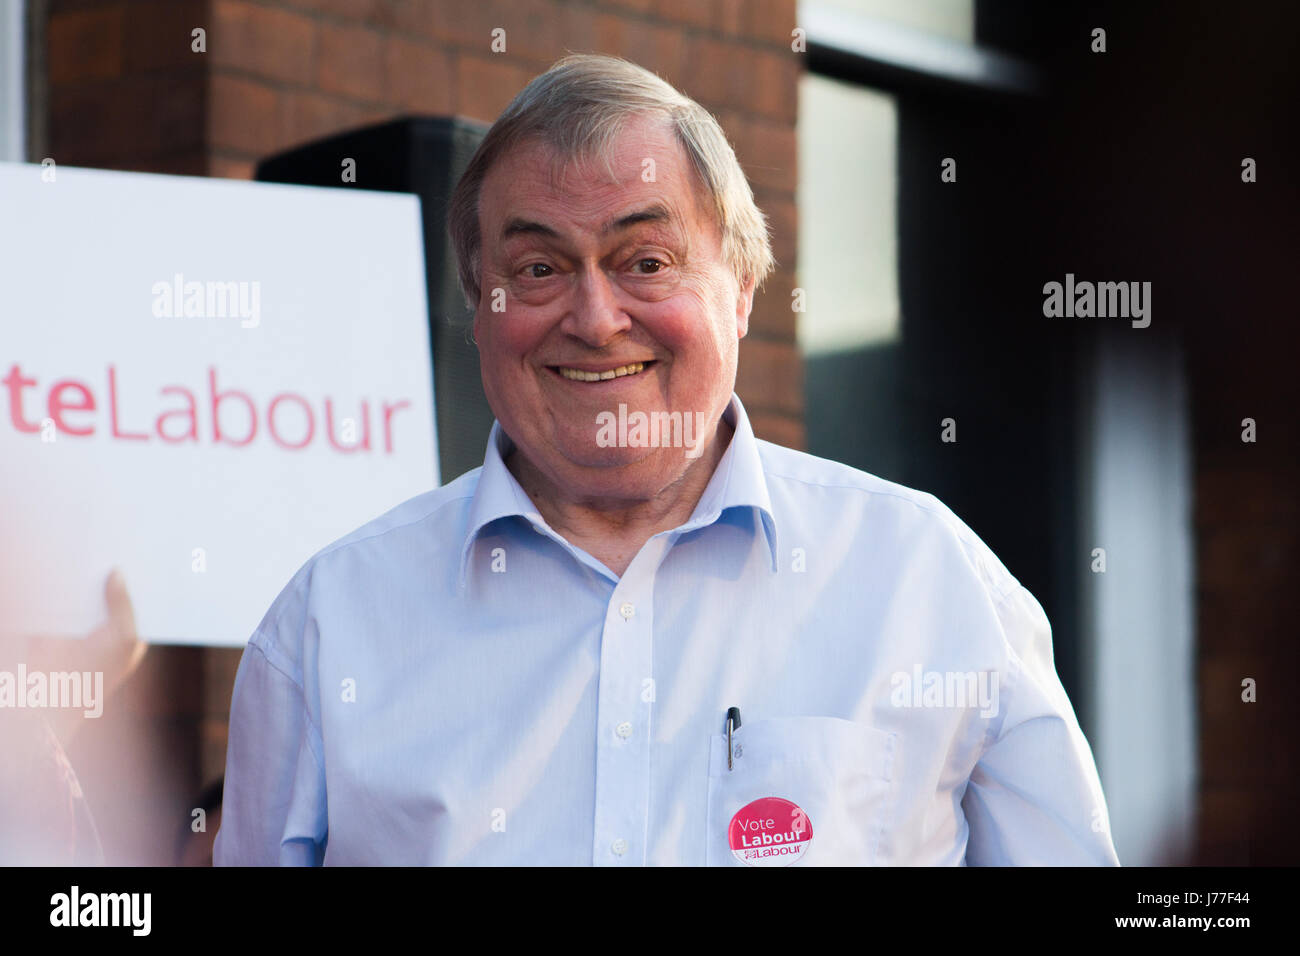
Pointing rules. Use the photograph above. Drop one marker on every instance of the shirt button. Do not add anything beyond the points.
(627, 610)
(619, 847)
(624, 730)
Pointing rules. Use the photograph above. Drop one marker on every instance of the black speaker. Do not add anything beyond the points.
(425, 156)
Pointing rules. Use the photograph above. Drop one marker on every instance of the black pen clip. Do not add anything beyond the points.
(733, 723)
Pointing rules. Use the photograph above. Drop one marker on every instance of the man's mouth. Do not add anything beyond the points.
(604, 375)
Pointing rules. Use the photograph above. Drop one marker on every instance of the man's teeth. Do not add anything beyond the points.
(577, 375)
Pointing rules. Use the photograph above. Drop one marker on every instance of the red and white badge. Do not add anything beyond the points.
(770, 832)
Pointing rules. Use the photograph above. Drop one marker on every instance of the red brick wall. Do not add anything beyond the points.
(126, 91)
(1247, 522)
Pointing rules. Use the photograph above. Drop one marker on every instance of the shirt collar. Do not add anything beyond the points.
(737, 482)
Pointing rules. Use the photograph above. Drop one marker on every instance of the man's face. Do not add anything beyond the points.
(583, 275)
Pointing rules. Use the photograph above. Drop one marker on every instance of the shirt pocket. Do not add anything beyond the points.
(832, 780)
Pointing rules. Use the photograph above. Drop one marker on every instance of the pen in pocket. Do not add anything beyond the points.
(733, 723)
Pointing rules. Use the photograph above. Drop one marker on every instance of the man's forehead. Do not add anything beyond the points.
(645, 176)
(617, 157)
(656, 211)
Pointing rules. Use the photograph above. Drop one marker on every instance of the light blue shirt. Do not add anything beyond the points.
(455, 683)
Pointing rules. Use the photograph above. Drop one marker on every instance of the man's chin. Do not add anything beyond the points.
(630, 473)
(603, 463)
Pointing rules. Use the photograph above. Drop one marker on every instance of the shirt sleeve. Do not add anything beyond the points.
(1034, 797)
(274, 808)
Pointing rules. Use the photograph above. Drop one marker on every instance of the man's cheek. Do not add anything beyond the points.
(686, 319)
(516, 330)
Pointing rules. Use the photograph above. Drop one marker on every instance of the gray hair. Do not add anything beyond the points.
(578, 108)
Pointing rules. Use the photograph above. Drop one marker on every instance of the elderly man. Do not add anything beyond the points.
(547, 661)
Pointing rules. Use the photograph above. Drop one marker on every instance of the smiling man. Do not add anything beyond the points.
(617, 293)
(546, 661)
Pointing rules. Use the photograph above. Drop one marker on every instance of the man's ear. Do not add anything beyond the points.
(744, 305)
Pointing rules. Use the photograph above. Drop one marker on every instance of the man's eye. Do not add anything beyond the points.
(538, 270)
(648, 266)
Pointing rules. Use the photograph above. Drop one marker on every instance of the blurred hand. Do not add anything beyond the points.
(114, 648)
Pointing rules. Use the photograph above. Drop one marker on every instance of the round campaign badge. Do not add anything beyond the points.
(770, 832)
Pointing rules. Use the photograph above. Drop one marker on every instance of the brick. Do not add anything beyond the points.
(176, 164)
(704, 77)
(726, 16)
(1226, 624)
(159, 35)
(772, 87)
(534, 30)
(1247, 741)
(1246, 558)
(657, 48)
(577, 30)
(1219, 680)
(772, 317)
(470, 25)
(272, 43)
(309, 116)
(1217, 428)
(229, 167)
(89, 126)
(243, 115)
(1226, 755)
(630, 6)
(384, 14)
(85, 45)
(1274, 840)
(693, 13)
(350, 62)
(729, 75)
(772, 374)
(417, 77)
(768, 21)
(411, 19)
(732, 122)
(485, 86)
(611, 34)
(1243, 492)
(770, 154)
(1223, 827)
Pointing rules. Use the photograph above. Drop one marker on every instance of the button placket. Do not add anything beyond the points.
(623, 737)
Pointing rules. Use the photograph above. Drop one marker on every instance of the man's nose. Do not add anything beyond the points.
(595, 314)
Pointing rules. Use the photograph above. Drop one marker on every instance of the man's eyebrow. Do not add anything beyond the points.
(518, 227)
(654, 213)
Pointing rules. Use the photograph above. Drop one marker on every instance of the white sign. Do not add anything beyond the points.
(202, 382)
